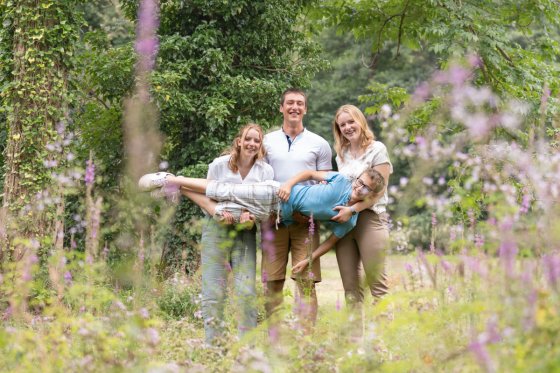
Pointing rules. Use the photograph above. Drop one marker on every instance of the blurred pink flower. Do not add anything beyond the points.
(90, 172)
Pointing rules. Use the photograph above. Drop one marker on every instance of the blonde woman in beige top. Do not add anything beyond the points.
(357, 149)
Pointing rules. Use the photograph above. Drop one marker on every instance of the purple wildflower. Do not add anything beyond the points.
(153, 336)
(482, 356)
(273, 333)
(525, 204)
(492, 335)
(144, 313)
(447, 267)
(472, 220)
(409, 267)
(421, 93)
(267, 241)
(474, 60)
(421, 141)
(478, 125)
(452, 234)
(50, 163)
(458, 75)
(508, 253)
(147, 41)
(68, 277)
(531, 296)
(105, 251)
(311, 226)
(60, 127)
(90, 172)
(475, 266)
(478, 240)
(551, 264)
(141, 256)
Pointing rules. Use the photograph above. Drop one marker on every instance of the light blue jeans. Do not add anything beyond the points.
(224, 250)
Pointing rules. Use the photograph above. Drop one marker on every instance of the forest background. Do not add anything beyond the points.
(464, 94)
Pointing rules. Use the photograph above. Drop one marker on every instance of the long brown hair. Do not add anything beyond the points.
(235, 149)
(366, 135)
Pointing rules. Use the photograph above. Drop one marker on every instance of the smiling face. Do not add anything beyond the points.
(250, 143)
(367, 185)
(293, 109)
(349, 128)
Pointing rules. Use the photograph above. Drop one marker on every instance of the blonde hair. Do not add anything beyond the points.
(235, 150)
(378, 181)
(366, 135)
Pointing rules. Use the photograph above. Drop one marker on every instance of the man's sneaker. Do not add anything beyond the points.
(150, 182)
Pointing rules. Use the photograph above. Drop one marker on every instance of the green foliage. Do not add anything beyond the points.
(352, 70)
(518, 50)
(219, 66)
(381, 95)
(180, 299)
(37, 52)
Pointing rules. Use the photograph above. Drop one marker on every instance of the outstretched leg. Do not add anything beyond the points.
(200, 200)
(259, 199)
(158, 180)
(189, 183)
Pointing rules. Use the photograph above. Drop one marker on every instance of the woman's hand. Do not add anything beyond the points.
(344, 214)
(300, 266)
(247, 220)
(284, 191)
(228, 217)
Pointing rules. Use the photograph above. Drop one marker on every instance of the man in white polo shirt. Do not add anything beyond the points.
(290, 150)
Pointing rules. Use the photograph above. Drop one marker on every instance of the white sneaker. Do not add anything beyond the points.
(153, 181)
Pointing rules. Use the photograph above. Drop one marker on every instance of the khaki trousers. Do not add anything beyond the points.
(366, 244)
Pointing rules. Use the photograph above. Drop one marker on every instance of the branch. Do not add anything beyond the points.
(505, 55)
(373, 62)
(401, 22)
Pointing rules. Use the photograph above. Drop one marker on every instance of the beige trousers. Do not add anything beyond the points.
(366, 244)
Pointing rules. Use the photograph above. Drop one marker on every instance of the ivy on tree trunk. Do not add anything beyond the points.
(36, 45)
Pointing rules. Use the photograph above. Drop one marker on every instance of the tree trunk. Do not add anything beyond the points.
(37, 100)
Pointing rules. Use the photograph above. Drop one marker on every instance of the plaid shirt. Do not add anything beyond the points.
(260, 199)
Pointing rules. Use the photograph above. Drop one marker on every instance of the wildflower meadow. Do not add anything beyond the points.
(98, 276)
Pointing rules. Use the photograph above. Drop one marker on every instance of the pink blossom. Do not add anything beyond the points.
(474, 60)
(147, 41)
(478, 240)
(551, 264)
(68, 277)
(311, 226)
(508, 253)
(421, 93)
(90, 172)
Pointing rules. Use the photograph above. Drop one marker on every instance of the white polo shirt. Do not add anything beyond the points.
(307, 151)
(219, 170)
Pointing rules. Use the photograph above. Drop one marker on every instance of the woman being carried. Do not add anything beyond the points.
(264, 199)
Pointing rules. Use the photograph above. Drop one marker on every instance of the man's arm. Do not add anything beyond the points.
(321, 250)
(286, 188)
